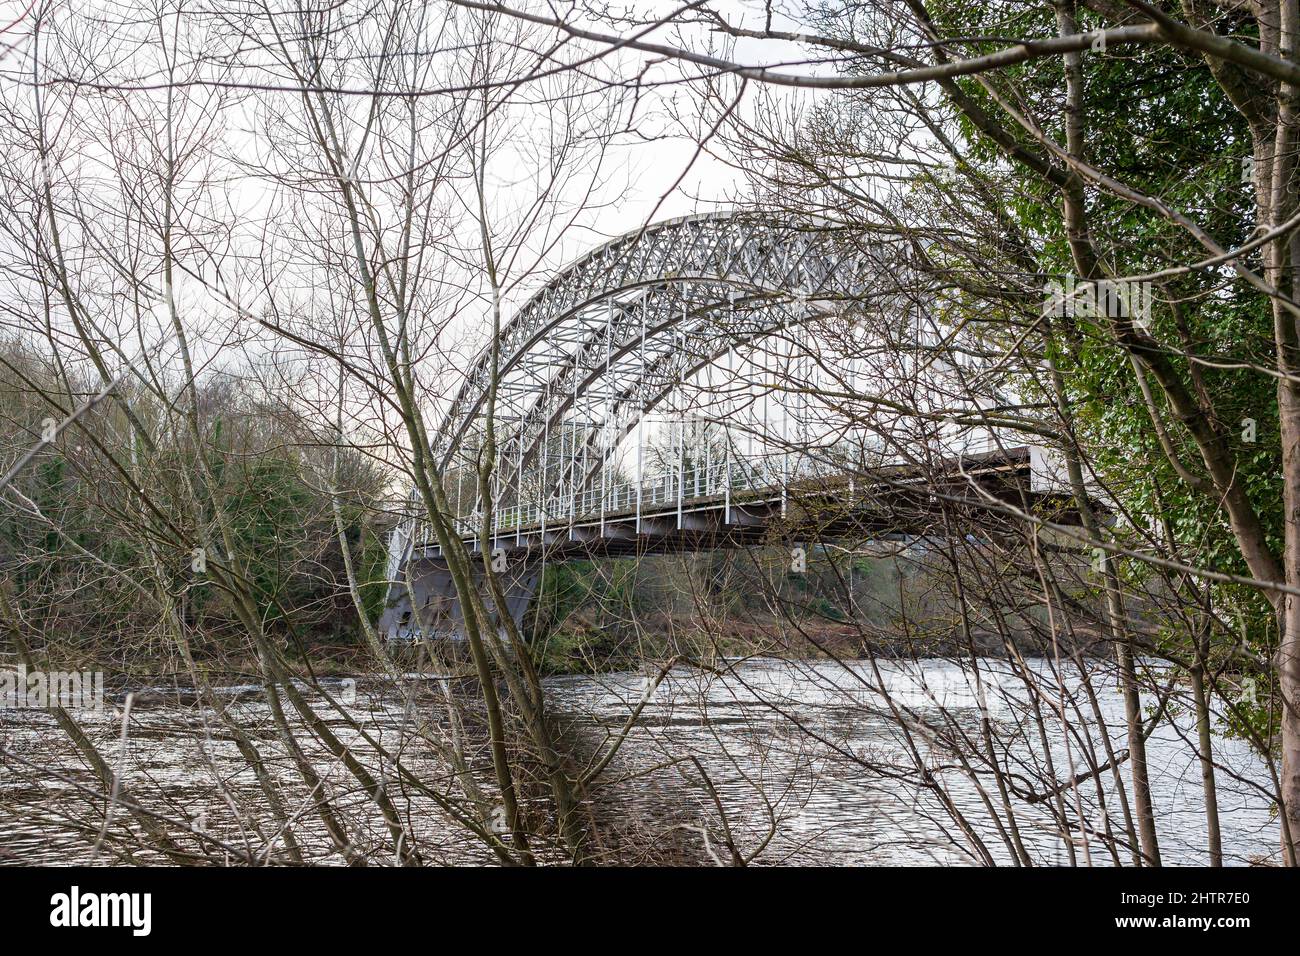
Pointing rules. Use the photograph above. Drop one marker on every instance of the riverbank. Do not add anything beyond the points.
(585, 645)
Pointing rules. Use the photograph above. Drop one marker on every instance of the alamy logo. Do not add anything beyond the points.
(103, 909)
(21, 689)
(1120, 298)
(949, 692)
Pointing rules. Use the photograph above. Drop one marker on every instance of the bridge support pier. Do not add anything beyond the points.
(430, 606)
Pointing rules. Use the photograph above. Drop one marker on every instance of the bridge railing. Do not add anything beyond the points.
(687, 485)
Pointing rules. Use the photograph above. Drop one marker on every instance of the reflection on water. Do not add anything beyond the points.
(801, 761)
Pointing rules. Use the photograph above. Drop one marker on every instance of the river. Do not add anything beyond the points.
(799, 760)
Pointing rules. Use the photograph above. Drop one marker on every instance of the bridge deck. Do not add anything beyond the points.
(894, 500)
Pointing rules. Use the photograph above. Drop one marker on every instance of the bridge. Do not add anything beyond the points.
(605, 347)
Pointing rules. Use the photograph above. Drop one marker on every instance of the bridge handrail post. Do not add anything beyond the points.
(726, 493)
(681, 467)
(640, 441)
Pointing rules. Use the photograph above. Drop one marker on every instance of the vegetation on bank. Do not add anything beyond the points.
(615, 614)
(73, 543)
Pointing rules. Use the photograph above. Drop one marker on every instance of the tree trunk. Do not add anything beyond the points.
(1213, 840)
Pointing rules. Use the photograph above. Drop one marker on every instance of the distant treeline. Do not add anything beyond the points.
(100, 529)
(611, 614)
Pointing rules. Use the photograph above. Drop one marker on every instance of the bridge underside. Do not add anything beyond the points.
(892, 506)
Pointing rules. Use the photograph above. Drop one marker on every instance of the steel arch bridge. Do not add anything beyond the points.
(593, 353)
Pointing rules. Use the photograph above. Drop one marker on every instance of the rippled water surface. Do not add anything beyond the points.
(831, 804)
(797, 762)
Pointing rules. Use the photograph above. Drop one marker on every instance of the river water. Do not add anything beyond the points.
(834, 806)
(798, 762)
